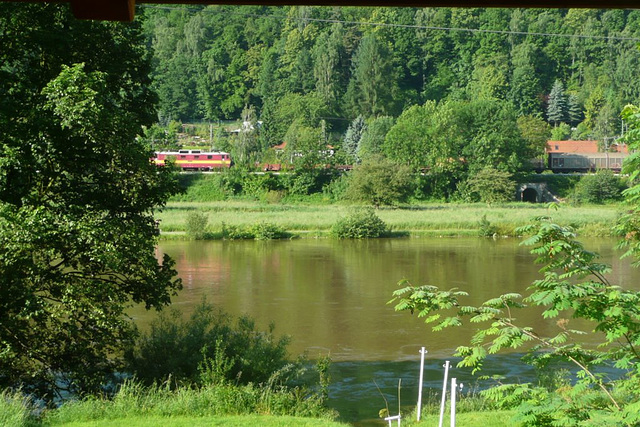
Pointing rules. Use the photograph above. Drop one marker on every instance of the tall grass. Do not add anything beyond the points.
(441, 219)
(16, 410)
(135, 400)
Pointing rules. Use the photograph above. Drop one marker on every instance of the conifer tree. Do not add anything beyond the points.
(353, 136)
(574, 113)
(557, 108)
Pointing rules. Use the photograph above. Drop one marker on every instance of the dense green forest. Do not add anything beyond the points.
(450, 91)
(307, 64)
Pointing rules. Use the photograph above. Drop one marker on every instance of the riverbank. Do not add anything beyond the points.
(416, 220)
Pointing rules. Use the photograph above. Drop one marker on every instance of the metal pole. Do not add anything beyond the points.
(444, 392)
(422, 353)
(453, 402)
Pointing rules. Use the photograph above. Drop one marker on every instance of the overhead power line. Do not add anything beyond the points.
(406, 26)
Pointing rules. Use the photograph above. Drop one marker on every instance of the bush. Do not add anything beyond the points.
(178, 348)
(488, 186)
(360, 224)
(379, 181)
(197, 225)
(268, 231)
(200, 188)
(259, 231)
(485, 228)
(601, 187)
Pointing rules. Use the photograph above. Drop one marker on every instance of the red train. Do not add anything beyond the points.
(194, 160)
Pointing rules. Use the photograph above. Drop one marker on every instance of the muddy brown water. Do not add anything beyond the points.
(331, 297)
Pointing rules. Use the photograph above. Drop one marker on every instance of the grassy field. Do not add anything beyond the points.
(426, 219)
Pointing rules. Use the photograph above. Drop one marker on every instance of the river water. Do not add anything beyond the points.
(331, 297)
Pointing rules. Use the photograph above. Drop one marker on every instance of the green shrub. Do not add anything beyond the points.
(259, 231)
(601, 187)
(268, 231)
(379, 181)
(196, 225)
(200, 188)
(488, 186)
(273, 196)
(236, 232)
(177, 348)
(360, 224)
(485, 228)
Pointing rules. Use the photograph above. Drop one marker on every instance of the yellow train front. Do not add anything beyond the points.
(194, 160)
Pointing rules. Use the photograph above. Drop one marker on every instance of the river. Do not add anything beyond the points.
(331, 297)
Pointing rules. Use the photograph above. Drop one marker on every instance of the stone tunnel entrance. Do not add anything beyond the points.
(535, 193)
(530, 195)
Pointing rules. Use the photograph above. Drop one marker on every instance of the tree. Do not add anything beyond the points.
(525, 83)
(373, 136)
(78, 192)
(353, 136)
(370, 89)
(246, 144)
(379, 181)
(601, 187)
(574, 112)
(488, 186)
(329, 70)
(561, 132)
(430, 137)
(536, 132)
(492, 137)
(557, 107)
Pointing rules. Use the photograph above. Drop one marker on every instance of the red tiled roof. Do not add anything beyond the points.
(590, 146)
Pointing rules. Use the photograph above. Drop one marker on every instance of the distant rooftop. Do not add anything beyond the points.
(590, 146)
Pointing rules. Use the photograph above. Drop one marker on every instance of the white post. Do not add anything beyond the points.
(422, 353)
(444, 392)
(395, 417)
(453, 402)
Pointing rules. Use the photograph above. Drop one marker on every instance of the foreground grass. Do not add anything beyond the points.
(469, 419)
(228, 421)
(315, 220)
(137, 405)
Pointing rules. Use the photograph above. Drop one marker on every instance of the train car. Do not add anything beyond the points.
(194, 160)
(586, 162)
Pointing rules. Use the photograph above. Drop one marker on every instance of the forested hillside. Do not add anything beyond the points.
(210, 62)
(451, 90)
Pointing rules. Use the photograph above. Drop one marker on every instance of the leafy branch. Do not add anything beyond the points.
(574, 286)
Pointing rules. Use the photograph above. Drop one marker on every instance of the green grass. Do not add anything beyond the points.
(227, 421)
(415, 220)
(469, 419)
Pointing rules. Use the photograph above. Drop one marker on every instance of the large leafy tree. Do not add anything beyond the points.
(429, 137)
(379, 181)
(370, 89)
(77, 195)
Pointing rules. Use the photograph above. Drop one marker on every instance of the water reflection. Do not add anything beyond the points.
(331, 296)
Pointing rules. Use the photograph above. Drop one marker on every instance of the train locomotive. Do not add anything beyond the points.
(194, 160)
